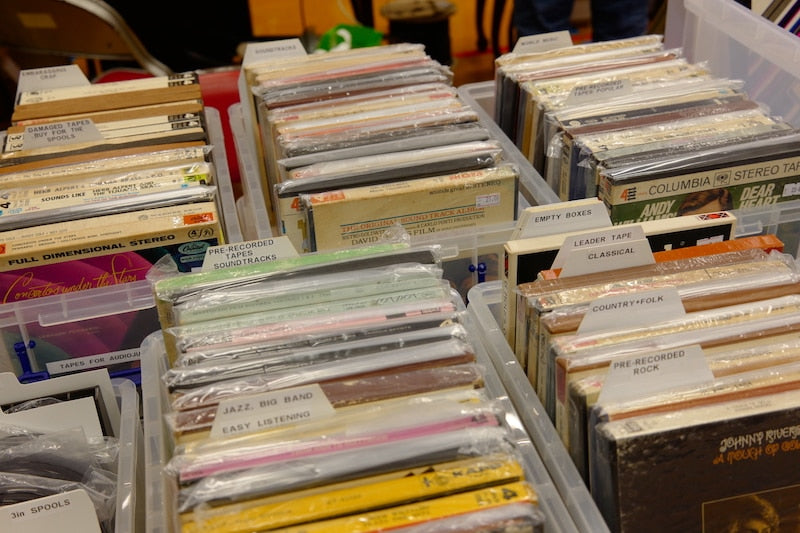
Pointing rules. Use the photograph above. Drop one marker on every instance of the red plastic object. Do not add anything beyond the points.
(220, 91)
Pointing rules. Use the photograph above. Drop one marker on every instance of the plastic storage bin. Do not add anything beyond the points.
(129, 516)
(90, 312)
(470, 256)
(782, 220)
(121, 401)
(484, 309)
(158, 444)
(737, 43)
(480, 96)
(251, 206)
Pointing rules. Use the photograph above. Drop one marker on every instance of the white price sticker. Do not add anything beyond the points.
(487, 200)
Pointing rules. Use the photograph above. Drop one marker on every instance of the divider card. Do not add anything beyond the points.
(542, 42)
(73, 511)
(94, 385)
(525, 259)
(547, 219)
(69, 131)
(50, 78)
(248, 253)
(636, 309)
(81, 412)
(661, 370)
(604, 250)
(237, 416)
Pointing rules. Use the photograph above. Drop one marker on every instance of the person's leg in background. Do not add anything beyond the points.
(532, 17)
(497, 19)
(483, 42)
(618, 19)
(362, 9)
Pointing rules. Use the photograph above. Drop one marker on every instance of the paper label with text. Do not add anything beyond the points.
(248, 253)
(542, 42)
(640, 308)
(67, 366)
(38, 79)
(588, 93)
(604, 258)
(642, 375)
(67, 511)
(270, 410)
(591, 239)
(262, 51)
(563, 218)
(58, 134)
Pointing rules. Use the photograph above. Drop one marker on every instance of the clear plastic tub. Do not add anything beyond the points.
(737, 43)
(158, 445)
(120, 400)
(89, 311)
(484, 307)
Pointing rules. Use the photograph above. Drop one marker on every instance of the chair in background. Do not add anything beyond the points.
(72, 30)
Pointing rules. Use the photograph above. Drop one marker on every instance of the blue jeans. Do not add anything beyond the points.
(611, 19)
